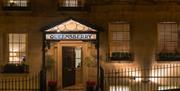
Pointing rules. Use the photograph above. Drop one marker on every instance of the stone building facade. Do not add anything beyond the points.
(142, 17)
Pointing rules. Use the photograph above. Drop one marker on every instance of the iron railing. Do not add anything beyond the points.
(20, 83)
(157, 78)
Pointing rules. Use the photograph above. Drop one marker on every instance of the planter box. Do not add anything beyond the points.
(121, 56)
(15, 68)
(168, 57)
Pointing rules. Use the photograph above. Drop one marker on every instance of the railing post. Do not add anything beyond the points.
(42, 80)
(101, 79)
(43, 68)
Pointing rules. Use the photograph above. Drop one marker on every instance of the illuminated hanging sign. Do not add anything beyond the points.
(70, 36)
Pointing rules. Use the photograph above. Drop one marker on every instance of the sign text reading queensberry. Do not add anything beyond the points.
(70, 36)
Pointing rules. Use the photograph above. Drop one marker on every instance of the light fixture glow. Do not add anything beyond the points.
(167, 87)
(119, 88)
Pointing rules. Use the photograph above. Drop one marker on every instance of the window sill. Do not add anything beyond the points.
(15, 68)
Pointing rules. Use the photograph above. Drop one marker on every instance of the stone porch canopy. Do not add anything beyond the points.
(71, 25)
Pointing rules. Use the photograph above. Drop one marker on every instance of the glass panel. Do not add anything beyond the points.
(16, 54)
(22, 48)
(12, 54)
(16, 47)
(125, 36)
(78, 53)
(15, 37)
(78, 57)
(10, 47)
(23, 38)
(10, 58)
(78, 63)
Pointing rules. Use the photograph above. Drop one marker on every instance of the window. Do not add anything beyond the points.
(16, 3)
(17, 48)
(168, 37)
(119, 41)
(168, 41)
(71, 3)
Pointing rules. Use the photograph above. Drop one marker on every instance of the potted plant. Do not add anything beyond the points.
(52, 85)
(121, 56)
(167, 56)
(91, 85)
(90, 61)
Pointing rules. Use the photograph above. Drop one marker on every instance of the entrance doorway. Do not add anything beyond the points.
(71, 65)
(76, 43)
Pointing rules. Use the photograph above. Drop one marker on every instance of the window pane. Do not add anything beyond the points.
(78, 53)
(15, 37)
(10, 47)
(22, 48)
(78, 63)
(23, 38)
(16, 47)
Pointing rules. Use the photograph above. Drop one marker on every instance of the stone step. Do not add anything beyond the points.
(73, 88)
